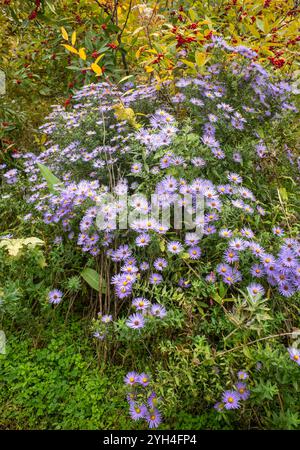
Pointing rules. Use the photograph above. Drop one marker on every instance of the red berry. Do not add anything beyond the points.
(112, 45)
(33, 15)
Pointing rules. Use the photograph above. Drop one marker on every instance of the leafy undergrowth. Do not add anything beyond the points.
(53, 381)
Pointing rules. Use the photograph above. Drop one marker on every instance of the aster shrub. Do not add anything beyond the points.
(190, 304)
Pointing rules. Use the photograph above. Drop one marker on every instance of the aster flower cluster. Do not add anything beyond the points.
(101, 160)
(11, 176)
(281, 272)
(102, 326)
(231, 398)
(144, 310)
(268, 95)
(143, 401)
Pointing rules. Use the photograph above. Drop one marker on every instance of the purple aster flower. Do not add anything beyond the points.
(237, 157)
(158, 311)
(136, 168)
(231, 256)
(183, 283)
(160, 264)
(106, 318)
(140, 303)
(154, 418)
(224, 189)
(198, 162)
(237, 244)
(261, 149)
(235, 178)
(223, 269)
(242, 390)
(165, 162)
(291, 243)
(210, 141)
(99, 335)
(129, 268)
(144, 266)
(247, 233)
(219, 406)
(287, 258)
(130, 261)
(85, 223)
(209, 229)
(257, 249)
(257, 270)
(137, 411)
(194, 252)
(144, 379)
(278, 231)
(131, 378)
(261, 210)
(55, 296)
(231, 400)
(123, 291)
(267, 259)
(58, 240)
(242, 375)
(11, 176)
(232, 276)
(155, 278)
(135, 321)
(169, 184)
(192, 239)
(175, 247)
(225, 233)
(177, 161)
(255, 290)
(294, 354)
(123, 252)
(286, 289)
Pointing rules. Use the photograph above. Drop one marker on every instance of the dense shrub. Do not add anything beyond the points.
(206, 315)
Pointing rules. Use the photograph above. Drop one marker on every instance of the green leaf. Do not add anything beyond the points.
(283, 194)
(92, 278)
(51, 179)
(260, 24)
(74, 68)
